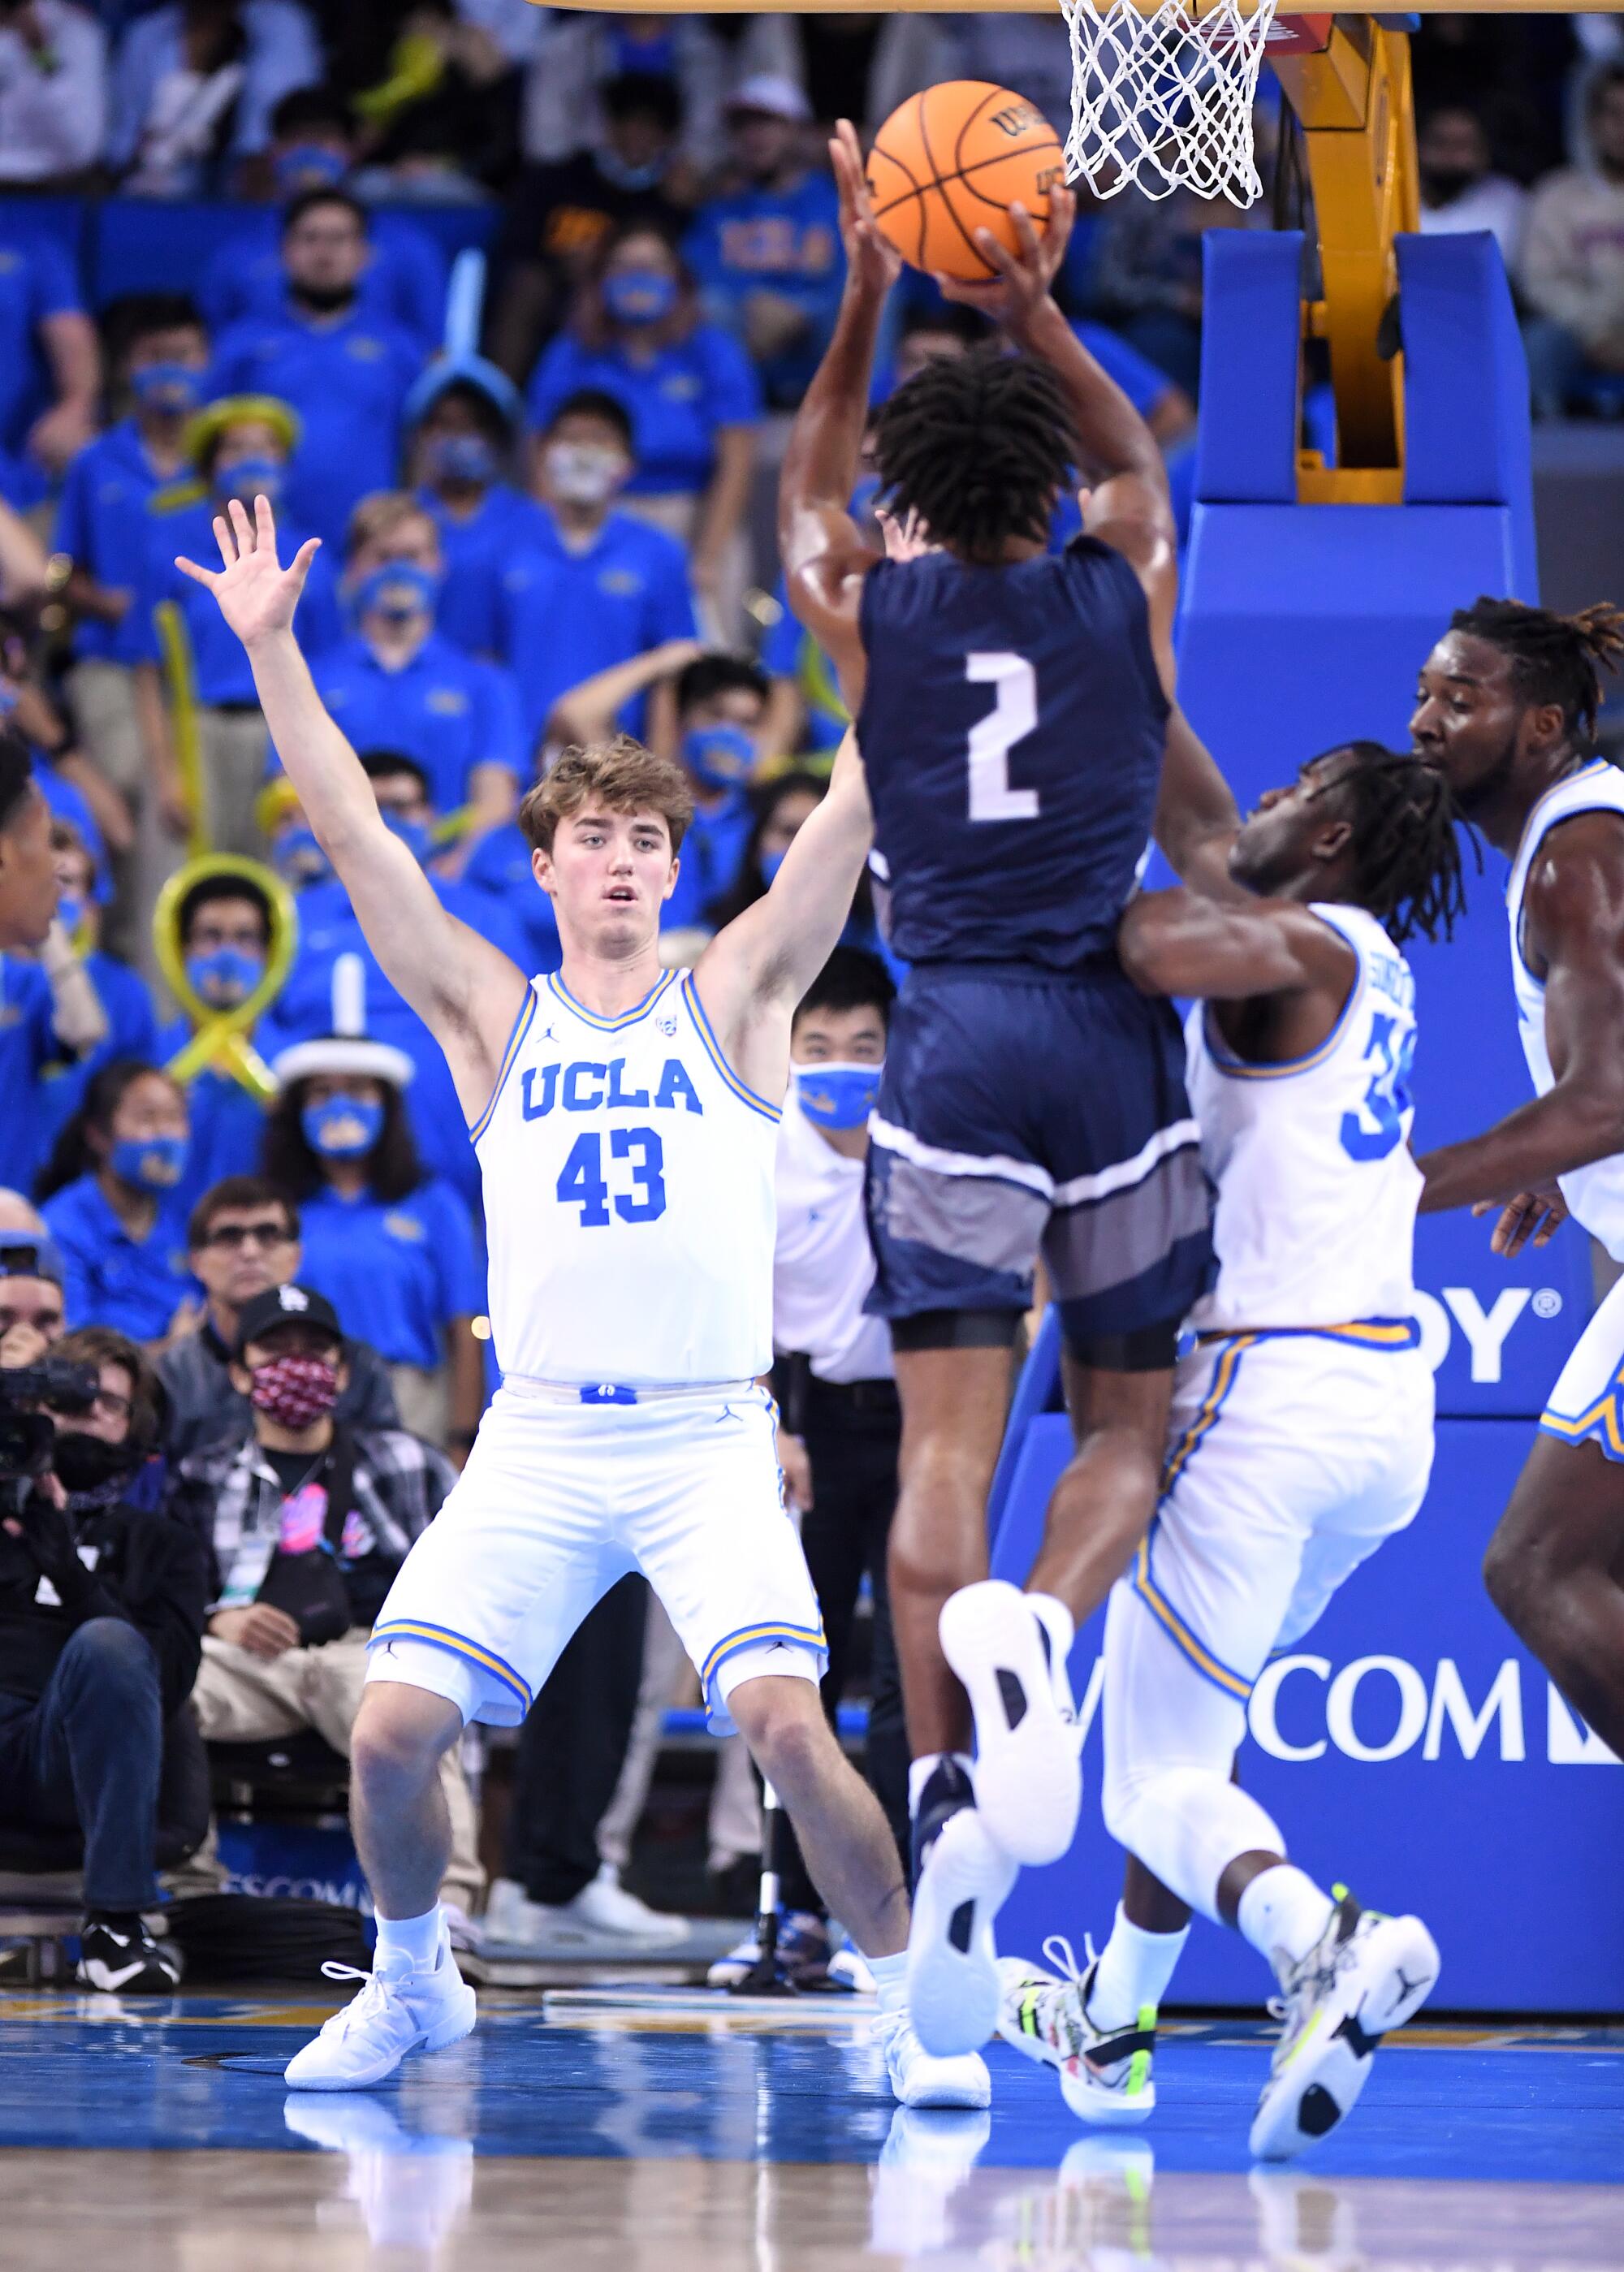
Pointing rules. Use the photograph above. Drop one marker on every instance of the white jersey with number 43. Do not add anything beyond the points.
(628, 1180)
(1317, 1190)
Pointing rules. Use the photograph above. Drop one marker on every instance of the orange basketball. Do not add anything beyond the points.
(953, 161)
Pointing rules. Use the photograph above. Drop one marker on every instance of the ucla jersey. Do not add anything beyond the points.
(1013, 731)
(1317, 1190)
(628, 1178)
(1595, 1195)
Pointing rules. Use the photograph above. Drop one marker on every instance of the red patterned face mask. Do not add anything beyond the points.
(292, 1391)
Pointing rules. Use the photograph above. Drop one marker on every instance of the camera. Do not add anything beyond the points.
(27, 1434)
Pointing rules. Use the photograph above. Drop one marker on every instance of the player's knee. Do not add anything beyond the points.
(782, 1722)
(399, 1737)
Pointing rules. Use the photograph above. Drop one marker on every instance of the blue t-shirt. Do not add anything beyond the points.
(674, 403)
(36, 281)
(713, 853)
(397, 1272)
(403, 281)
(111, 1279)
(228, 1124)
(781, 241)
(564, 615)
(103, 523)
(181, 519)
(448, 710)
(347, 379)
(133, 1032)
(499, 867)
(27, 1045)
(477, 550)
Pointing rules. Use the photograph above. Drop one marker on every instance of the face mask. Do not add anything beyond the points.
(300, 860)
(307, 166)
(580, 474)
(292, 1391)
(397, 590)
(247, 479)
(718, 756)
(70, 913)
(152, 1164)
(343, 1128)
(837, 1095)
(769, 864)
(639, 295)
(462, 457)
(413, 833)
(1447, 183)
(615, 170)
(166, 386)
(225, 975)
(83, 1463)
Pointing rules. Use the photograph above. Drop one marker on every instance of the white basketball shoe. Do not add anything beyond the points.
(1104, 2074)
(1009, 1649)
(398, 2009)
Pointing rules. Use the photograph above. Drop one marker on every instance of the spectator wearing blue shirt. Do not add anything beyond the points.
(313, 148)
(592, 587)
(397, 683)
(131, 1021)
(396, 1246)
(50, 359)
(240, 447)
(465, 417)
(766, 251)
(344, 369)
(109, 1196)
(223, 929)
(691, 394)
(194, 85)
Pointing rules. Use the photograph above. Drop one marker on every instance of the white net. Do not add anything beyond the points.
(1162, 101)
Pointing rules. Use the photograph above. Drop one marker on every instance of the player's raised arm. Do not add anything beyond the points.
(1196, 819)
(825, 557)
(466, 992)
(1179, 941)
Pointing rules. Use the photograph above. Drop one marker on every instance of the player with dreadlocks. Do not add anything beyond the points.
(1507, 707)
(1302, 1430)
(1013, 710)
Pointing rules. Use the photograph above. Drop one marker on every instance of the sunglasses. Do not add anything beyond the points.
(236, 1235)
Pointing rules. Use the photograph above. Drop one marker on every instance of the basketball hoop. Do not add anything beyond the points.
(1162, 96)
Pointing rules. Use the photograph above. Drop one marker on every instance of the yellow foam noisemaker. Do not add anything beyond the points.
(220, 1040)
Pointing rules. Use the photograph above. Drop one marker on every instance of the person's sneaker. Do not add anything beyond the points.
(802, 1956)
(1104, 2072)
(398, 2009)
(119, 1957)
(849, 1970)
(963, 1880)
(1010, 1653)
(602, 1910)
(1366, 1973)
(918, 2080)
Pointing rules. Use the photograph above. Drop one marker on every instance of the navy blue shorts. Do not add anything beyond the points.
(1024, 1112)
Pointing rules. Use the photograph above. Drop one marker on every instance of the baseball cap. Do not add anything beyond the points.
(770, 96)
(285, 1305)
(30, 1254)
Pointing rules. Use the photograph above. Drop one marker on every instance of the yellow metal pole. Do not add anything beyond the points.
(176, 648)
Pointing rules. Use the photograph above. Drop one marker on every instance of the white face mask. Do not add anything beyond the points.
(582, 472)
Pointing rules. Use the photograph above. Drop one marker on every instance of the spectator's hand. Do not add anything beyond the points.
(20, 1345)
(1533, 1218)
(188, 1318)
(174, 805)
(59, 433)
(677, 655)
(798, 1471)
(870, 260)
(262, 1629)
(45, 1531)
(772, 323)
(1013, 296)
(257, 597)
(904, 539)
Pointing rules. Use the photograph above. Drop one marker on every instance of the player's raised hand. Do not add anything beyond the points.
(1024, 277)
(869, 258)
(257, 597)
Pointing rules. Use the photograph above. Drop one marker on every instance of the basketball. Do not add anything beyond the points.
(952, 160)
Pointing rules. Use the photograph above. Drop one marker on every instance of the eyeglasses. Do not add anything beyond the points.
(236, 1235)
(106, 1404)
(43, 1321)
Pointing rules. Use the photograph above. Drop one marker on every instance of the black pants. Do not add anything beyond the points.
(88, 1754)
(852, 1443)
(573, 1747)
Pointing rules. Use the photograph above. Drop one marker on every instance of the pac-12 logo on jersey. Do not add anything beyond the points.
(585, 1086)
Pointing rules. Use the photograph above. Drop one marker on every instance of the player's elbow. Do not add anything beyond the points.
(1146, 948)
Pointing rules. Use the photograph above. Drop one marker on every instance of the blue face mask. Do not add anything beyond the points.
(300, 860)
(413, 833)
(172, 387)
(152, 1164)
(307, 166)
(247, 479)
(343, 1127)
(69, 913)
(718, 757)
(639, 295)
(462, 457)
(225, 975)
(837, 1095)
(614, 168)
(400, 589)
(769, 864)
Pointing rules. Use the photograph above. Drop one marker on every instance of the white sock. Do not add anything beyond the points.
(1134, 1970)
(890, 1979)
(418, 1938)
(924, 1768)
(1283, 1910)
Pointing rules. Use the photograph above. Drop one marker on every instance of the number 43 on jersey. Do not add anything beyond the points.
(637, 1192)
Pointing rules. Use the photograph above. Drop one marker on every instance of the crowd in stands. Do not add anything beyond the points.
(227, 231)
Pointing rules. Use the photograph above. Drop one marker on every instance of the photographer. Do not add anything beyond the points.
(31, 1316)
(101, 1613)
(27, 865)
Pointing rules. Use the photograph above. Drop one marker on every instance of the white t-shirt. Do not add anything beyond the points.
(823, 1265)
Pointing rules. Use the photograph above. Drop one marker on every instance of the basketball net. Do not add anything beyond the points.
(1163, 100)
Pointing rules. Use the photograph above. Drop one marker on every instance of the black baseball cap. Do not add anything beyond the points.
(285, 1305)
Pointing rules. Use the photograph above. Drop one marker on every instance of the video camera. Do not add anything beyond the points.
(27, 1434)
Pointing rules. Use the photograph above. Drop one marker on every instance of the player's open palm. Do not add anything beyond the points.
(871, 257)
(257, 597)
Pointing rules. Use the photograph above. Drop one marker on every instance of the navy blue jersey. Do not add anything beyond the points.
(1013, 731)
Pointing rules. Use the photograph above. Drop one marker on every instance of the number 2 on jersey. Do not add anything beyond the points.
(582, 1184)
(1386, 1100)
(1013, 718)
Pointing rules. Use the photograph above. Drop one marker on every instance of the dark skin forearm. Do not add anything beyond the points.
(1197, 820)
(826, 442)
(1550, 1137)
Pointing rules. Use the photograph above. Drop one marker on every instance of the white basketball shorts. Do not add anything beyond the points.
(1293, 1455)
(1586, 1405)
(561, 1498)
